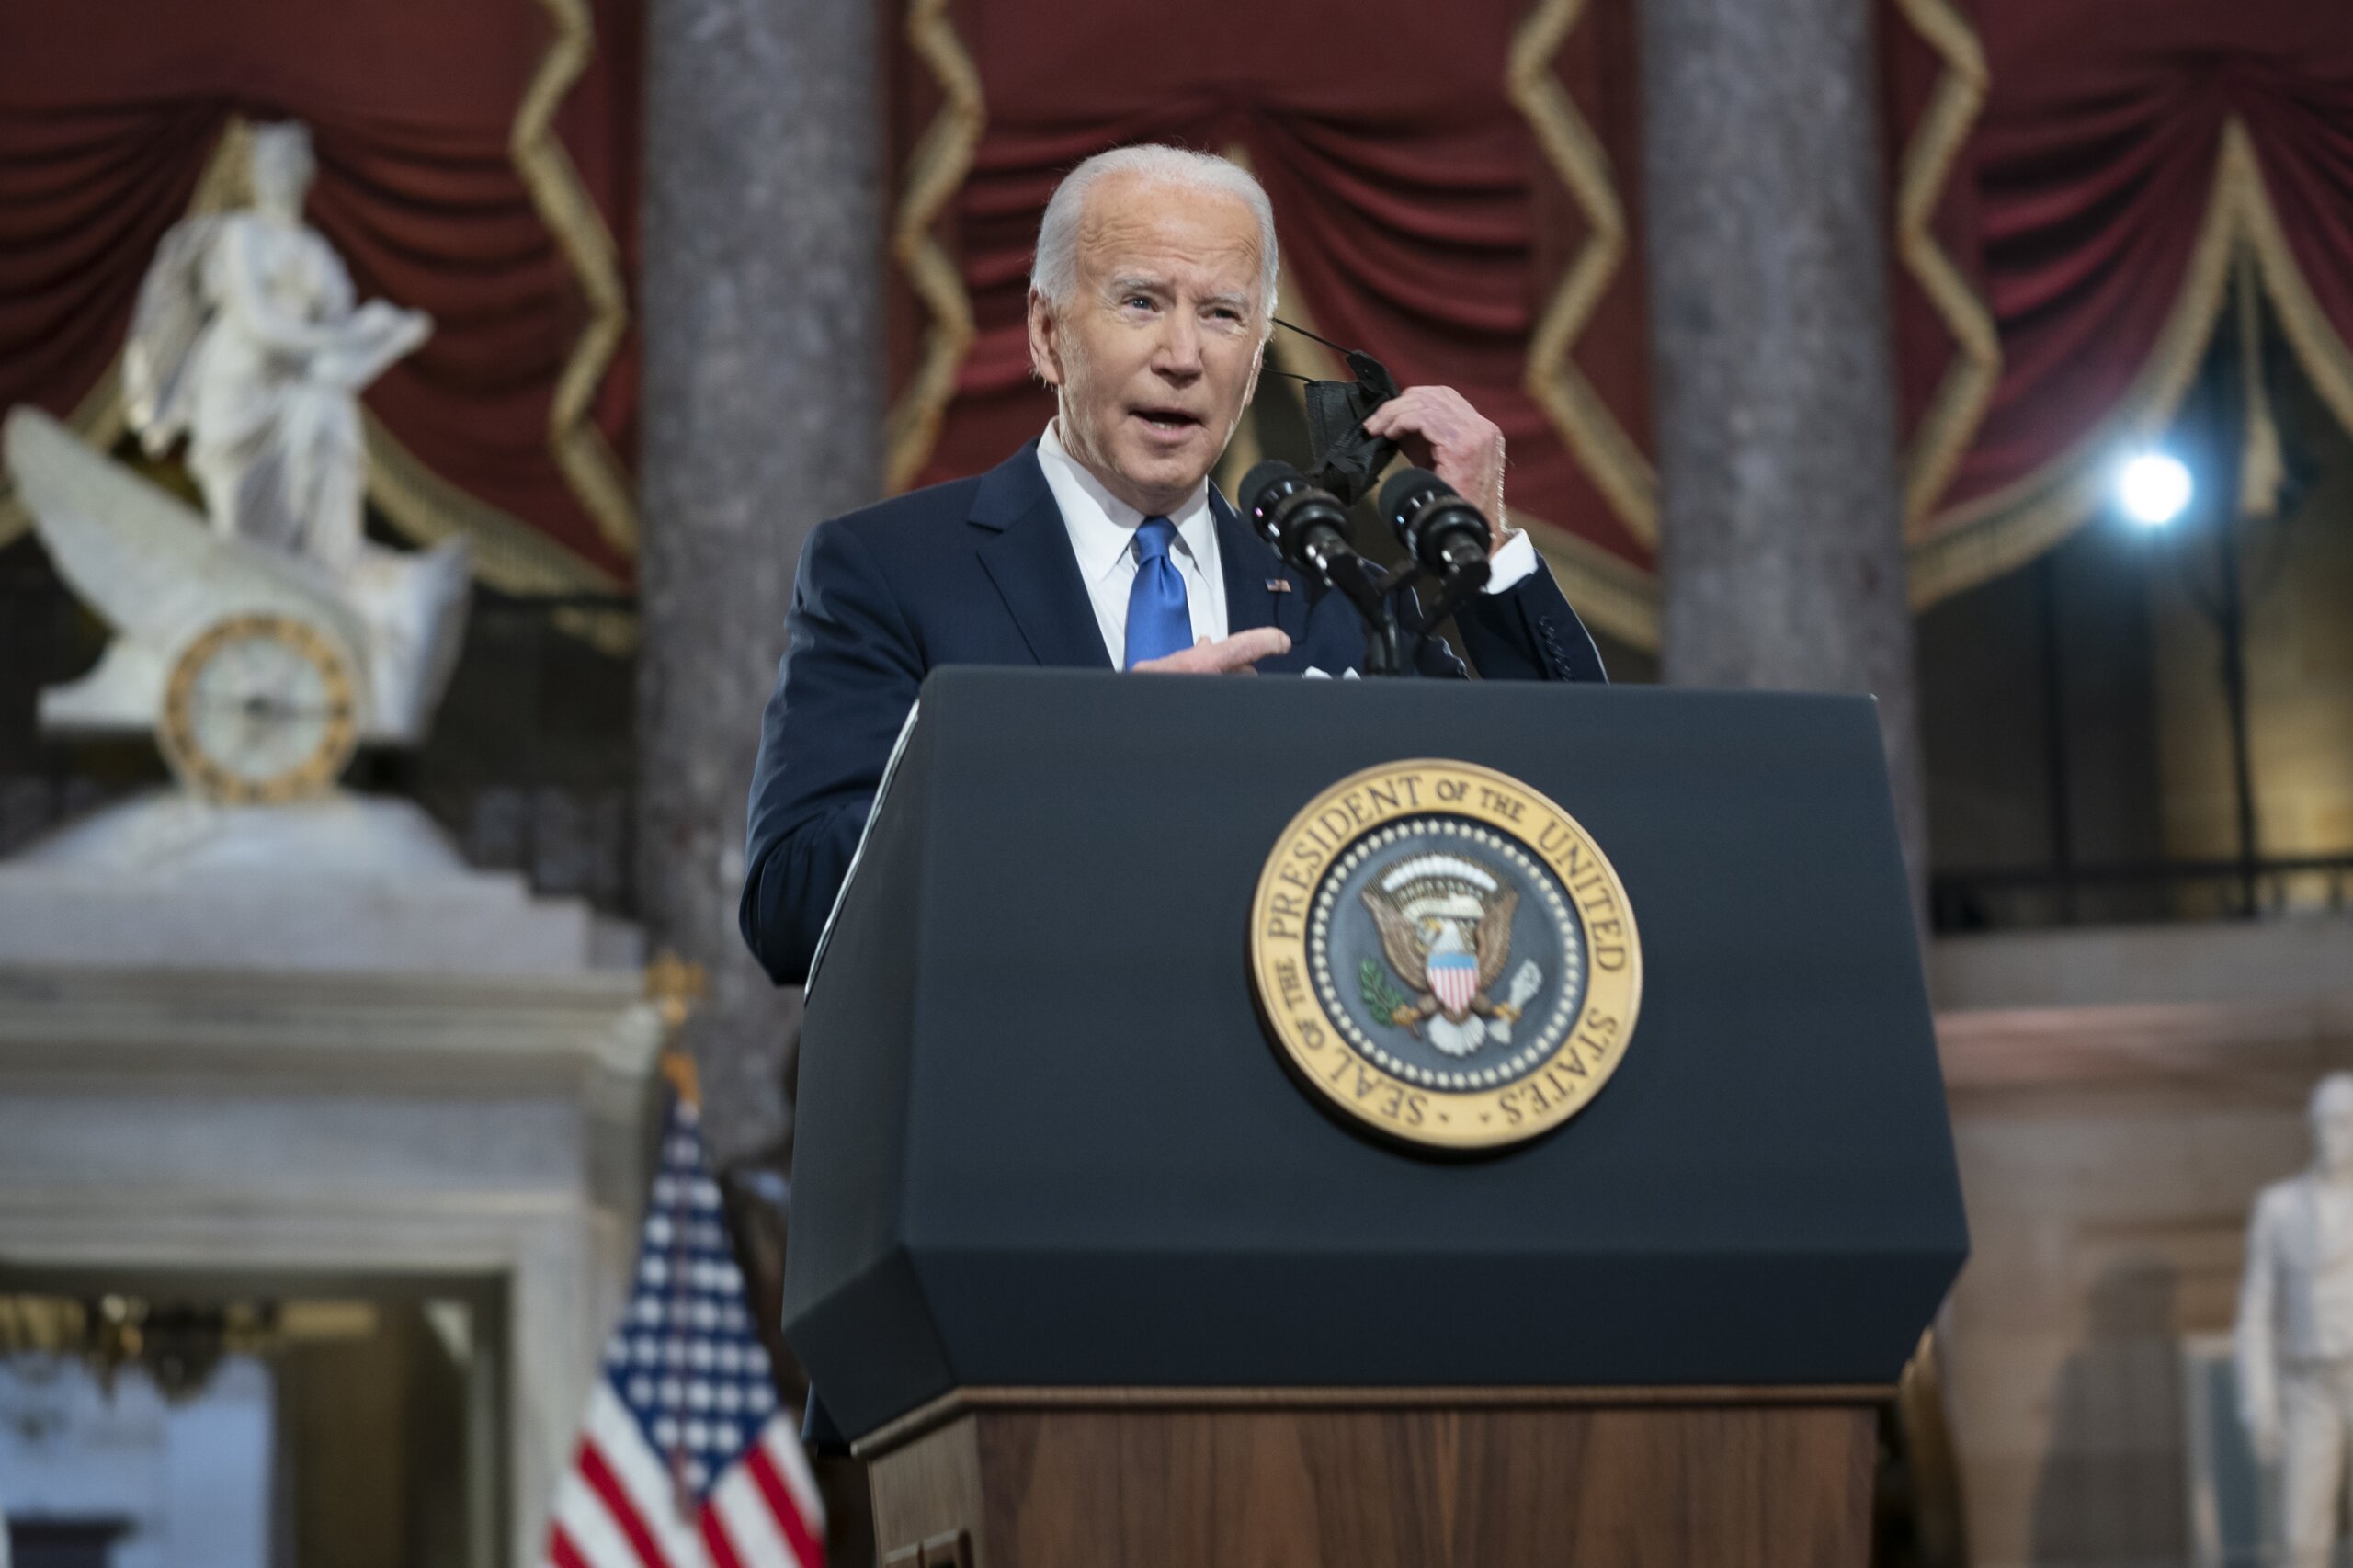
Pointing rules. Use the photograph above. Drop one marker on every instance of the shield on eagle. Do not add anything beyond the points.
(1454, 980)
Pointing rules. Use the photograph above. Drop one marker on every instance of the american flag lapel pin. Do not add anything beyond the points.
(1278, 584)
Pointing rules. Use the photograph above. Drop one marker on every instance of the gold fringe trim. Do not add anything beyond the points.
(227, 181)
(1617, 467)
(580, 450)
(934, 173)
(2263, 465)
(508, 554)
(2012, 525)
(2004, 529)
(1960, 398)
(2319, 349)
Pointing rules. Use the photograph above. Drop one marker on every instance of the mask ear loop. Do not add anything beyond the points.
(1314, 337)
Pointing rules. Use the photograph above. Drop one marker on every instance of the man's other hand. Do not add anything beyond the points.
(1441, 431)
(1227, 656)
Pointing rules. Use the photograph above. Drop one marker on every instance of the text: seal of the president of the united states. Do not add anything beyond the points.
(1446, 955)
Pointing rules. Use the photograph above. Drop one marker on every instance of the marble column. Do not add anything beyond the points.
(763, 411)
(1781, 545)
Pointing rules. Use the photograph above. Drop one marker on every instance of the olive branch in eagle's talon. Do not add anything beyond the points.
(1389, 1005)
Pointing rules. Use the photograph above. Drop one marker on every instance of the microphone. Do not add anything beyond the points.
(1307, 527)
(1438, 528)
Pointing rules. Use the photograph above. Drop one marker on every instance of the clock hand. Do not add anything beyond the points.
(263, 704)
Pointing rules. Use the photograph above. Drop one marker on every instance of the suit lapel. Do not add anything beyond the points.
(1029, 560)
(1250, 567)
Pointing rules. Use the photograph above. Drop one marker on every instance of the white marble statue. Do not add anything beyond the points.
(248, 341)
(2295, 1329)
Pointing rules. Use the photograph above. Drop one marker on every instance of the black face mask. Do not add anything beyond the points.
(1346, 460)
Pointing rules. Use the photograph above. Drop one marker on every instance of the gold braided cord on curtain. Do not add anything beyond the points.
(2325, 357)
(1960, 398)
(934, 173)
(508, 554)
(1617, 466)
(2012, 525)
(581, 453)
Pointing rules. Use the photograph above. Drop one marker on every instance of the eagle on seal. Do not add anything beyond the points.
(1445, 924)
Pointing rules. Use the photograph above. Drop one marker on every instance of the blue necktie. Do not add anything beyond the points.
(1159, 622)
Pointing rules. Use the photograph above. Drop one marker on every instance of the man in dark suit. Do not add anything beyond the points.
(1101, 544)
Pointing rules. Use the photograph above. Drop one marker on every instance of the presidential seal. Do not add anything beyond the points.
(1444, 955)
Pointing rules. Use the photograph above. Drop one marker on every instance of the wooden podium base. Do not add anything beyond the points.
(1422, 1478)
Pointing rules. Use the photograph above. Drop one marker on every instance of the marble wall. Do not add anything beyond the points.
(2112, 1134)
(283, 1132)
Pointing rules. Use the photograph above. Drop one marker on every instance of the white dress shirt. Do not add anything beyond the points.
(1103, 536)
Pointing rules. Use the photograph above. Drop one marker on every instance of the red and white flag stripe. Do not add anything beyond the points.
(619, 1508)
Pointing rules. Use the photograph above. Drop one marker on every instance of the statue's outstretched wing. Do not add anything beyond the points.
(1492, 940)
(1402, 948)
(140, 556)
(171, 314)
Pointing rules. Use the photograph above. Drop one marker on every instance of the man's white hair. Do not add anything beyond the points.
(1054, 273)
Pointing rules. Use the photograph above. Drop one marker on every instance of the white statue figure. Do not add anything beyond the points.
(248, 341)
(2295, 1329)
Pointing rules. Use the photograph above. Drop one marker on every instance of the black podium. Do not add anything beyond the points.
(1092, 1279)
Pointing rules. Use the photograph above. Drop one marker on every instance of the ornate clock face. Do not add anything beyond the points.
(260, 709)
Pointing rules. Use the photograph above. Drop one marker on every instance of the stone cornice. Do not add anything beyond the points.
(590, 1033)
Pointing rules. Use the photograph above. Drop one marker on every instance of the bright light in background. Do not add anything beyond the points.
(2154, 487)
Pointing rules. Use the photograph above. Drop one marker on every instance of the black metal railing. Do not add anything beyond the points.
(2134, 893)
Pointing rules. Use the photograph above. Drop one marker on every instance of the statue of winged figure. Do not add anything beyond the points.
(1445, 924)
(247, 339)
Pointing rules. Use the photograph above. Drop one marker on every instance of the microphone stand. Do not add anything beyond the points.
(1370, 590)
(1374, 595)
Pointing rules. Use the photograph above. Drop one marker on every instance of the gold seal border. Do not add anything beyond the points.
(1311, 1040)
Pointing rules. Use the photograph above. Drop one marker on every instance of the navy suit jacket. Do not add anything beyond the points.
(981, 572)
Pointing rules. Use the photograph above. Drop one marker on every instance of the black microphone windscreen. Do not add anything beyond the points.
(1407, 488)
(1261, 479)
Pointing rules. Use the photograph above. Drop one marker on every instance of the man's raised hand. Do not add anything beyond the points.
(1441, 430)
(1228, 656)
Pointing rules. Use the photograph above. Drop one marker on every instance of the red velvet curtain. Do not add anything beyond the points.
(2093, 169)
(1422, 215)
(1421, 218)
(111, 108)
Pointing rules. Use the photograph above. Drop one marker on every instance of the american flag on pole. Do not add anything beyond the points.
(686, 1459)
